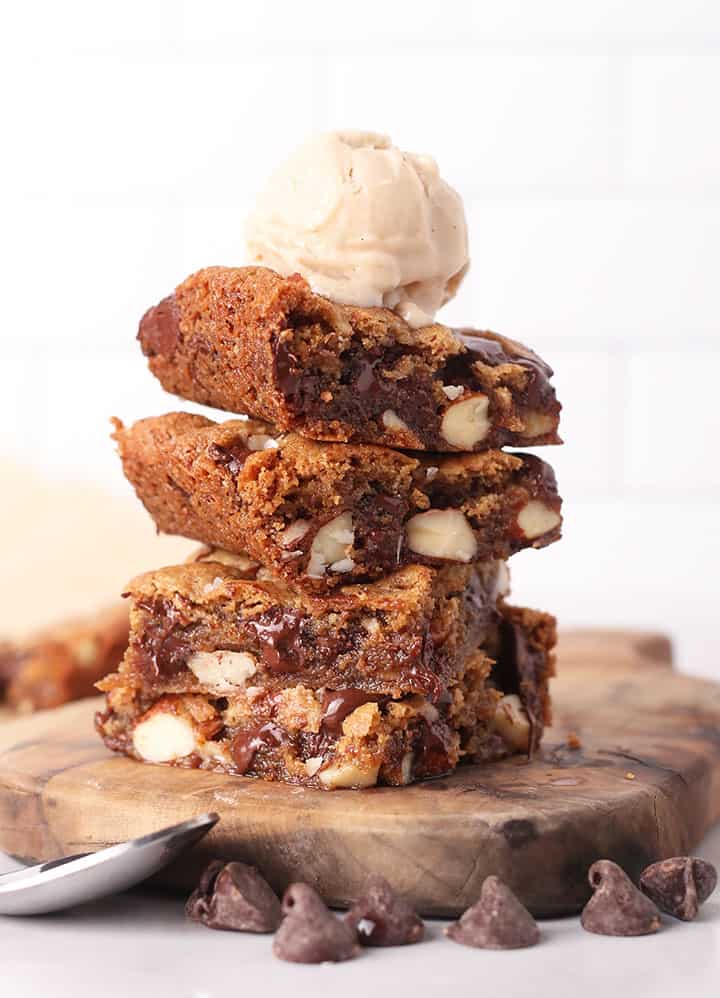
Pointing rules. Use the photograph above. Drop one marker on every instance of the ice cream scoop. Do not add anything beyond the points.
(365, 224)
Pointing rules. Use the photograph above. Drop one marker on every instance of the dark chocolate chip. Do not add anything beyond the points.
(280, 635)
(381, 918)
(245, 744)
(338, 704)
(310, 933)
(497, 921)
(617, 907)
(679, 885)
(160, 328)
(234, 896)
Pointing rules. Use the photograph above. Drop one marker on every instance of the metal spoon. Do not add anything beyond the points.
(63, 883)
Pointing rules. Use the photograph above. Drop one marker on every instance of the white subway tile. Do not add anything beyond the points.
(587, 386)
(672, 118)
(673, 422)
(631, 270)
(507, 118)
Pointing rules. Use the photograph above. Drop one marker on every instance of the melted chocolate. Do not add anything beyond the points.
(166, 642)
(280, 635)
(245, 744)
(339, 704)
(232, 456)
(538, 392)
(288, 371)
(160, 328)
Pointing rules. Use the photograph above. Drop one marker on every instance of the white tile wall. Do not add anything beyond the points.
(584, 138)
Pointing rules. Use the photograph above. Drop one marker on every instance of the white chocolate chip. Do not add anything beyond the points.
(293, 533)
(442, 533)
(313, 764)
(345, 776)
(466, 423)
(538, 423)
(453, 391)
(163, 737)
(392, 421)
(537, 519)
(512, 723)
(331, 545)
(222, 670)
(261, 441)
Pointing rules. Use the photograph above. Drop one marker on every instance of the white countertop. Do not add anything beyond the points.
(142, 946)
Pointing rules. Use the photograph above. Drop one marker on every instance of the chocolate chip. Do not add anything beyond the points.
(160, 328)
(679, 885)
(381, 918)
(617, 908)
(310, 933)
(497, 921)
(234, 896)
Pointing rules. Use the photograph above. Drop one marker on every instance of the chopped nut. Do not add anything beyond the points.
(466, 423)
(453, 391)
(222, 670)
(261, 441)
(344, 776)
(497, 921)
(617, 908)
(679, 885)
(537, 424)
(330, 545)
(293, 533)
(392, 421)
(442, 533)
(536, 519)
(240, 561)
(313, 764)
(512, 723)
(431, 473)
(162, 737)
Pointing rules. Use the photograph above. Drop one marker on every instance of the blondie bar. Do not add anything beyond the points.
(252, 342)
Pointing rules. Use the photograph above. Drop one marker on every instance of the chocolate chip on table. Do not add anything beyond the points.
(309, 932)
(617, 907)
(381, 918)
(234, 896)
(679, 885)
(497, 921)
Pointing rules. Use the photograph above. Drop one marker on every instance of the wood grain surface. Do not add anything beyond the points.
(645, 784)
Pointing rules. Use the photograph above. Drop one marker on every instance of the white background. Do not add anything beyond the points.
(584, 140)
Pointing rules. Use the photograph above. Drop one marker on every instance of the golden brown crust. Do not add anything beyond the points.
(250, 341)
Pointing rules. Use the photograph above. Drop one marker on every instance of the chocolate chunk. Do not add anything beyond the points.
(617, 908)
(246, 743)
(310, 933)
(280, 634)
(234, 896)
(160, 328)
(338, 704)
(679, 885)
(497, 921)
(232, 456)
(381, 918)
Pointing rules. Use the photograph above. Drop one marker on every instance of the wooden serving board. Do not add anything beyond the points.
(644, 785)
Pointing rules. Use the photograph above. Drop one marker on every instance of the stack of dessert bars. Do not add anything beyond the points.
(346, 622)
